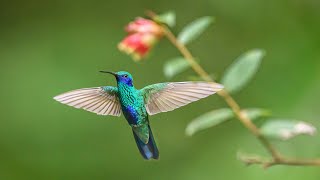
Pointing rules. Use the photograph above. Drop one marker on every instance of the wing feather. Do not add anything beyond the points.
(99, 100)
(165, 97)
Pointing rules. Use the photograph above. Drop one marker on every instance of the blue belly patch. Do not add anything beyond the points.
(131, 115)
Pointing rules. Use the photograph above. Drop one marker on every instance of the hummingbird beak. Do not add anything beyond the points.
(109, 73)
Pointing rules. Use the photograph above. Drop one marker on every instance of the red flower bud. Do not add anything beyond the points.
(142, 35)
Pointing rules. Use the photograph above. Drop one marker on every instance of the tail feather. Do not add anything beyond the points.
(148, 150)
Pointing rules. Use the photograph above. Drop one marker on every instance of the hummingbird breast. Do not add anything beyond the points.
(133, 108)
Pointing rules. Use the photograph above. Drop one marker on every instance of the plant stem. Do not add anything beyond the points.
(253, 159)
(277, 158)
(223, 93)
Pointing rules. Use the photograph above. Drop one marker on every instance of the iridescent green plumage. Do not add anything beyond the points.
(136, 104)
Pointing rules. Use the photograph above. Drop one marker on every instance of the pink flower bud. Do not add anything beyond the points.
(142, 35)
(141, 25)
(137, 44)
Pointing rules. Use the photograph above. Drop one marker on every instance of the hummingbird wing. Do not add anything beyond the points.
(100, 100)
(163, 97)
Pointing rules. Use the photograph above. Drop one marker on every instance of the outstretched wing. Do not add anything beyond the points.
(165, 97)
(100, 100)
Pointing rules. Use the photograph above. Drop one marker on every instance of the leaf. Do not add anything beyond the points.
(175, 66)
(208, 120)
(168, 18)
(194, 29)
(285, 129)
(255, 113)
(242, 70)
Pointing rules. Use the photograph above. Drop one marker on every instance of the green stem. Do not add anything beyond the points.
(224, 94)
(277, 158)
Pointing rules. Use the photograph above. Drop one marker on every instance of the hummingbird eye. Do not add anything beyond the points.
(125, 76)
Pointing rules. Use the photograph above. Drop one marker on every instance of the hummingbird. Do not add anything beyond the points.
(137, 104)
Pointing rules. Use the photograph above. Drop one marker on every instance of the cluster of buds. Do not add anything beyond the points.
(142, 35)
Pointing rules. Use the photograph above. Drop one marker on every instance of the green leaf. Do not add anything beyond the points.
(175, 66)
(168, 18)
(255, 113)
(242, 70)
(208, 120)
(194, 29)
(285, 129)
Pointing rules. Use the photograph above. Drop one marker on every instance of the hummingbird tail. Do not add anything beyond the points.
(148, 150)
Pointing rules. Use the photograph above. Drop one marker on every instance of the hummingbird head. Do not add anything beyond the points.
(122, 77)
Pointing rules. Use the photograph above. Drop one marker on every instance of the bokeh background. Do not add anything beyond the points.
(49, 47)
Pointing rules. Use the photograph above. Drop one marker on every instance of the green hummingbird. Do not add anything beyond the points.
(137, 104)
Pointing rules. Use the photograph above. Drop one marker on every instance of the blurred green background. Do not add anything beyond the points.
(49, 47)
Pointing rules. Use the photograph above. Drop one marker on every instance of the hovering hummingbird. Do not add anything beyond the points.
(137, 104)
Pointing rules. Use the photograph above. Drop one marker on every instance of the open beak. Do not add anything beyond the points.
(109, 73)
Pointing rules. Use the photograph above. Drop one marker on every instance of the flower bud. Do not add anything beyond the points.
(142, 36)
(141, 25)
